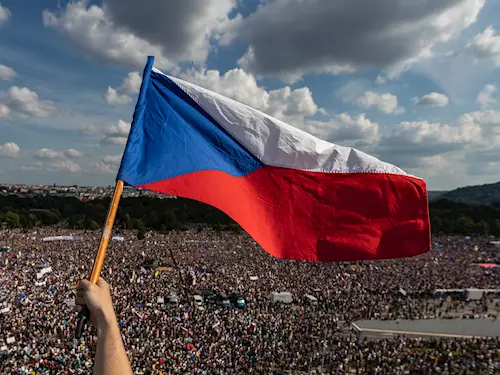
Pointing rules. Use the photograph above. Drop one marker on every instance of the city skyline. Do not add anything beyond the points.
(74, 191)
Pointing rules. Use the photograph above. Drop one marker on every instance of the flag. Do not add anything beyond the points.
(298, 196)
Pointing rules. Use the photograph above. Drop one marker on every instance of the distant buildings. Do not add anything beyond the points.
(84, 193)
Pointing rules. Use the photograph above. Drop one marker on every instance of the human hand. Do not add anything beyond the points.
(97, 297)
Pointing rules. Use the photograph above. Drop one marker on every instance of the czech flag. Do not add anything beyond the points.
(298, 196)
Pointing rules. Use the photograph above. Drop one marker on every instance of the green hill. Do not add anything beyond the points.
(435, 194)
(479, 194)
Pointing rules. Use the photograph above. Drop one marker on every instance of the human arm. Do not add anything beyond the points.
(110, 358)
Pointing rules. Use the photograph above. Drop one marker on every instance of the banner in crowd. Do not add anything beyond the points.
(487, 265)
(61, 238)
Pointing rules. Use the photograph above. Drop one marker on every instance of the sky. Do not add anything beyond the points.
(413, 82)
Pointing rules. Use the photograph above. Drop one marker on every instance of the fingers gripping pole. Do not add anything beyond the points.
(84, 315)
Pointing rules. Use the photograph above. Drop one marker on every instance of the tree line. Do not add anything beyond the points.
(147, 213)
(479, 194)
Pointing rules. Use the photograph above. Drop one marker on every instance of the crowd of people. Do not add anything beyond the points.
(37, 290)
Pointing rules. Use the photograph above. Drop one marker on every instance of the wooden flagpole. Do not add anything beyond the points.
(84, 315)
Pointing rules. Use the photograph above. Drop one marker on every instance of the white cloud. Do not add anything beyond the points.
(433, 99)
(116, 134)
(64, 165)
(48, 154)
(112, 97)
(486, 45)
(72, 153)
(284, 103)
(89, 129)
(6, 73)
(484, 156)
(287, 103)
(92, 30)
(296, 37)
(408, 144)
(24, 102)
(386, 103)
(344, 129)
(486, 97)
(443, 172)
(130, 85)
(356, 129)
(483, 127)
(127, 31)
(56, 161)
(5, 14)
(4, 110)
(9, 150)
(109, 164)
(380, 80)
